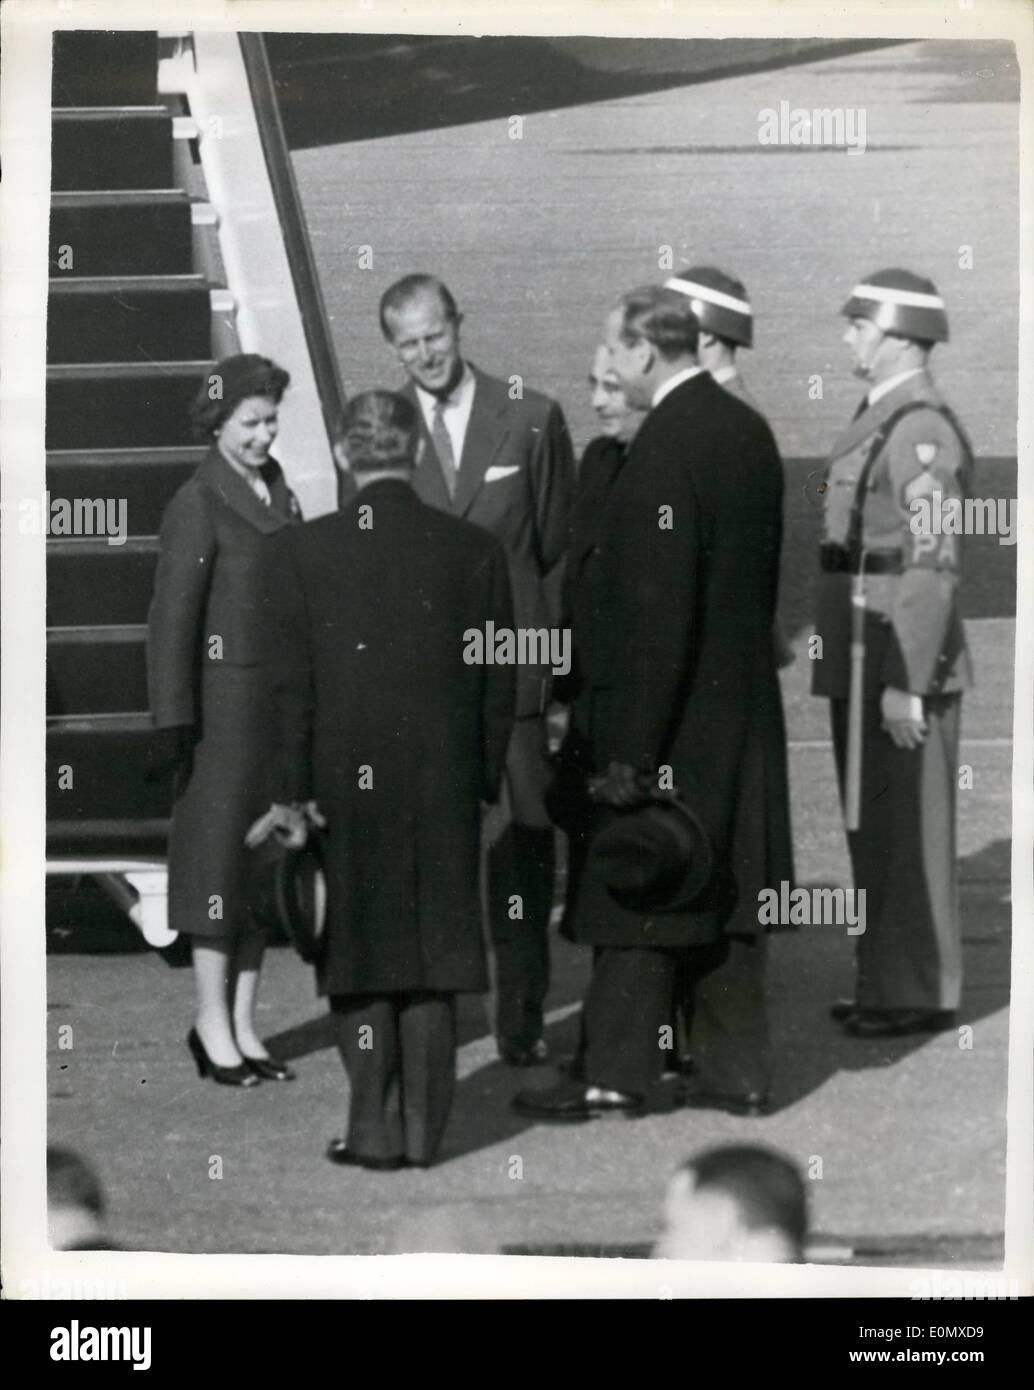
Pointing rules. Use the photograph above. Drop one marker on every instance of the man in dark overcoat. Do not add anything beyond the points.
(686, 694)
(398, 740)
(498, 454)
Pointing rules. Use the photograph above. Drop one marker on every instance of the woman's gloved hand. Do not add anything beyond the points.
(290, 823)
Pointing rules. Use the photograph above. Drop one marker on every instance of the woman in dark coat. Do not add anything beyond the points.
(209, 695)
(583, 611)
(585, 615)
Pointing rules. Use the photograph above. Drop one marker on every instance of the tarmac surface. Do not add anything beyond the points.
(903, 1141)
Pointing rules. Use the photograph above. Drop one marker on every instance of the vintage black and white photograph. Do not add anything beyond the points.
(532, 528)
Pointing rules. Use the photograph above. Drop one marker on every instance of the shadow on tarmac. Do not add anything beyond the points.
(808, 969)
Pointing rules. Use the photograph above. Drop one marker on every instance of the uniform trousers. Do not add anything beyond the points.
(903, 856)
(400, 1054)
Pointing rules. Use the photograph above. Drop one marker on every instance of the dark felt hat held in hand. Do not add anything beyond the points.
(655, 858)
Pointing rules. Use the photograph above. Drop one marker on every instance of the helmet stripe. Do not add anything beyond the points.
(705, 292)
(909, 298)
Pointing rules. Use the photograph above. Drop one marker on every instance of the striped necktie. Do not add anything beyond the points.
(443, 448)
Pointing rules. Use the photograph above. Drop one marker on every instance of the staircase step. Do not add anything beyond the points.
(145, 478)
(93, 584)
(96, 671)
(108, 761)
(121, 405)
(122, 233)
(111, 147)
(98, 67)
(140, 318)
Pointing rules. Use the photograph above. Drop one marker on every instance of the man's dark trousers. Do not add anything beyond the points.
(720, 1001)
(399, 1051)
(628, 1002)
(520, 865)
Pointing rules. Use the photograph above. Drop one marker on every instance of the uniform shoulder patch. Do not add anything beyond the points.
(925, 485)
(922, 446)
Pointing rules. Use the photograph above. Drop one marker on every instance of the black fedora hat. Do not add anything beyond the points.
(654, 858)
(290, 893)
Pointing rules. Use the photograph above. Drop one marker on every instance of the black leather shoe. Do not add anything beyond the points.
(569, 1103)
(844, 1009)
(270, 1068)
(225, 1076)
(523, 1054)
(751, 1106)
(898, 1023)
(339, 1152)
(678, 1066)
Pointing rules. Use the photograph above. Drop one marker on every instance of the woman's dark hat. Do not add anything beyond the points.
(231, 381)
(290, 893)
(655, 858)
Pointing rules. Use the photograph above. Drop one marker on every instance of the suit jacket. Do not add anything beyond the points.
(516, 480)
(214, 537)
(690, 555)
(914, 635)
(382, 719)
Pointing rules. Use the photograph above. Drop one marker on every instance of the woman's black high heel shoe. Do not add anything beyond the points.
(270, 1068)
(226, 1076)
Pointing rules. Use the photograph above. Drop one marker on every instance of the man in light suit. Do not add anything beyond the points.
(500, 456)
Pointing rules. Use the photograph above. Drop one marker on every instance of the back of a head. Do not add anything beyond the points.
(71, 1182)
(761, 1193)
(75, 1203)
(664, 317)
(379, 432)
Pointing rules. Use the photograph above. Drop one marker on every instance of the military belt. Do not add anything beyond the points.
(836, 559)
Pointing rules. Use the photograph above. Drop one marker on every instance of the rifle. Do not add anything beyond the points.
(853, 795)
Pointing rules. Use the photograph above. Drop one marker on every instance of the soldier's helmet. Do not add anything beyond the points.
(900, 303)
(719, 301)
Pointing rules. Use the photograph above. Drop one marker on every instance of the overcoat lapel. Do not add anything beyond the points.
(230, 487)
(589, 507)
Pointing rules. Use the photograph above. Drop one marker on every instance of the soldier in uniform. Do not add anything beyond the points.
(726, 322)
(903, 448)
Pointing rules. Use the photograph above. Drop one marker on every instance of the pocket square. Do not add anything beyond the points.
(493, 475)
